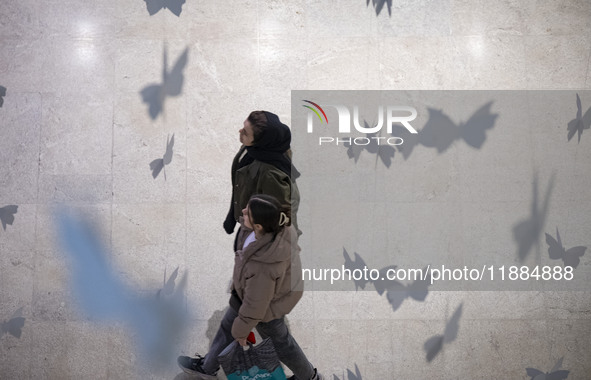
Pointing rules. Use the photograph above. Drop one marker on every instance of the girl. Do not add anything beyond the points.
(261, 290)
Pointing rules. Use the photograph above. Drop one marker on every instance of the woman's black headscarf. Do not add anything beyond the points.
(271, 147)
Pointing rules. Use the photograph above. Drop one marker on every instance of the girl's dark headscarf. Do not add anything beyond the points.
(271, 147)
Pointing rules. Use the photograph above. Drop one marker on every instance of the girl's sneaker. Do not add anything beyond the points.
(193, 366)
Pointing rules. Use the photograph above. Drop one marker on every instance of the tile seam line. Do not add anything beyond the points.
(186, 203)
(258, 41)
(587, 84)
(39, 138)
(37, 207)
(112, 203)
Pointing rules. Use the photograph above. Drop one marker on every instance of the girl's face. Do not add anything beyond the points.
(246, 134)
(248, 222)
(246, 216)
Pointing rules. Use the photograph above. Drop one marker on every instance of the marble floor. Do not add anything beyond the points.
(93, 92)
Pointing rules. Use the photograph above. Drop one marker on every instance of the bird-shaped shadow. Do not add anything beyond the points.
(379, 5)
(357, 264)
(102, 296)
(158, 164)
(435, 344)
(526, 232)
(213, 324)
(13, 325)
(555, 373)
(2, 95)
(175, 6)
(556, 251)
(172, 84)
(383, 151)
(169, 285)
(396, 292)
(440, 132)
(7, 215)
(410, 140)
(580, 123)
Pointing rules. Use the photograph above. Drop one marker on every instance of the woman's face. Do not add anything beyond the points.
(246, 134)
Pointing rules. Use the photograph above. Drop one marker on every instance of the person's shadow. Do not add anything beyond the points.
(213, 325)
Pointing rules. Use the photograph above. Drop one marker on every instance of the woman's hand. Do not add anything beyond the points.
(241, 341)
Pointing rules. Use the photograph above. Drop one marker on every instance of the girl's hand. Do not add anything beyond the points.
(242, 341)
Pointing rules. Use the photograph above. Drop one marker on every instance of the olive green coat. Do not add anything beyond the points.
(262, 178)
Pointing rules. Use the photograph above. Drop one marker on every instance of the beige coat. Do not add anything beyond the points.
(263, 278)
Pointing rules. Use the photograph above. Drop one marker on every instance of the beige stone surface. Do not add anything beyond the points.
(75, 134)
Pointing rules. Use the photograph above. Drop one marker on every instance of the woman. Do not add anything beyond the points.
(263, 166)
(262, 290)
